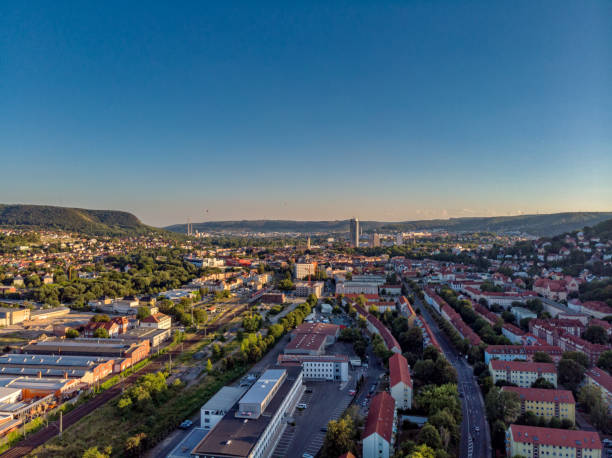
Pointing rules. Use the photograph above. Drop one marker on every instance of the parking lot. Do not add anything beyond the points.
(325, 402)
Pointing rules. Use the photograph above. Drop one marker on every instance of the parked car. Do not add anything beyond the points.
(301, 405)
(186, 424)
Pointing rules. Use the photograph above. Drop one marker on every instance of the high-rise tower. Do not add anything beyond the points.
(354, 228)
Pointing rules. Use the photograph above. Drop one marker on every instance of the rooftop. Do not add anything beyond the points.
(398, 370)
(523, 366)
(553, 436)
(303, 341)
(380, 417)
(261, 389)
(542, 395)
(235, 437)
(225, 398)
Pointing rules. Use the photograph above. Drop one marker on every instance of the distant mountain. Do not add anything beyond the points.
(95, 222)
(538, 225)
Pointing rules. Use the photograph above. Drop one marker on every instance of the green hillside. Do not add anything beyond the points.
(96, 222)
(539, 225)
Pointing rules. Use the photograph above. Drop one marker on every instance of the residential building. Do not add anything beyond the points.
(156, 321)
(379, 427)
(400, 383)
(306, 288)
(522, 373)
(532, 441)
(304, 269)
(601, 379)
(521, 352)
(546, 403)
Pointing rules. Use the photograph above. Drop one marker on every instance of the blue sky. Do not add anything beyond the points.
(307, 110)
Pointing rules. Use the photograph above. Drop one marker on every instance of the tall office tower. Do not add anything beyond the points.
(399, 238)
(308, 243)
(355, 232)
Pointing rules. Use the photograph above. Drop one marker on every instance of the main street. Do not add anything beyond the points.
(475, 436)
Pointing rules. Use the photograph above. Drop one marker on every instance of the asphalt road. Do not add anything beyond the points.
(473, 444)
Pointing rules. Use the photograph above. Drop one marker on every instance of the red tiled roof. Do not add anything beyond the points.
(523, 366)
(553, 436)
(154, 318)
(306, 341)
(601, 377)
(328, 329)
(541, 394)
(398, 370)
(380, 416)
(598, 306)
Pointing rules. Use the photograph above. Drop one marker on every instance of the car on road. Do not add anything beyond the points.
(324, 429)
(477, 429)
(186, 424)
(352, 392)
(307, 455)
(301, 405)
(308, 390)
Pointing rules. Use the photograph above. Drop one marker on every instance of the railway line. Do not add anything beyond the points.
(47, 433)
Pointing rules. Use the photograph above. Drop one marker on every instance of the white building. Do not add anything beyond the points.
(378, 433)
(306, 288)
(303, 270)
(156, 321)
(522, 373)
(323, 367)
(220, 404)
(253, 426)
(400, 383)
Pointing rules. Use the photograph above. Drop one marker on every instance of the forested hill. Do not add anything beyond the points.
(95, 222)
(538, 225)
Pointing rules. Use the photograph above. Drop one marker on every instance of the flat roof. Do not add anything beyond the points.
(35, 383)
(263, 386)
(184, 448)
(51, 360)
(225, 398)
(234, 437)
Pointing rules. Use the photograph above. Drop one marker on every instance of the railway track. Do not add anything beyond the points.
(47, 433)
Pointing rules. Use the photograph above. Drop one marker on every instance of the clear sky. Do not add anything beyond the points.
(307, 110)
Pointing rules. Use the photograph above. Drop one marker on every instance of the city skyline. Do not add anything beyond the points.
(308, 112)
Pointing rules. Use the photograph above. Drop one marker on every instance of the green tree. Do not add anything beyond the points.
(422, 451)
(93, 452)
(143, 312)
(209, 366)
(286, 285)
(605, 361)
(577, 356)
(541, 382)
(502, 405)
(101, 333)
(570, 373)
(595, 334)
(72, 333)
(339, 438)
(541, 357)
(429, 436)
(100, 318)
